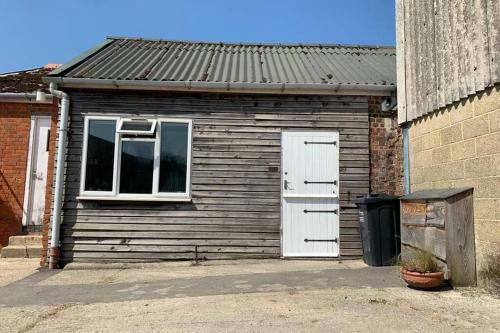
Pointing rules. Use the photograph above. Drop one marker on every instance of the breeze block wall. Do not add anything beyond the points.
(386, 150)
(459, 146)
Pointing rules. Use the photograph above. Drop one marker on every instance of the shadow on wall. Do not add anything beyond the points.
(11, 208)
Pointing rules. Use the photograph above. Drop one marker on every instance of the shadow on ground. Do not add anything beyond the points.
(29, 291)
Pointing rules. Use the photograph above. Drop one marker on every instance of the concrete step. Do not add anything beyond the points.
(19, 251)
(26, 240)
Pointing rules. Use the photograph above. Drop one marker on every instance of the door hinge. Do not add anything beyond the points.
(335, 240)
(320, 143)
(309, 182)
(335, 211)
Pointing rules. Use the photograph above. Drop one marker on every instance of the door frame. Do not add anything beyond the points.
(282, 131)
(29, 167)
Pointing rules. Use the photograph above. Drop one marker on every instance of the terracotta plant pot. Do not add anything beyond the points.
(422, 280)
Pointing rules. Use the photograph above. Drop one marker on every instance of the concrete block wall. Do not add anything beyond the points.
(460, 146)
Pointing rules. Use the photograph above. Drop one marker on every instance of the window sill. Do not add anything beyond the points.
(138, 198)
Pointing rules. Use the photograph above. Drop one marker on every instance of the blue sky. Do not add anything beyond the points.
(35, 32)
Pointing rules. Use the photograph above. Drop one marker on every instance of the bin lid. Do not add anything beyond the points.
(374, 198)
(435, 194)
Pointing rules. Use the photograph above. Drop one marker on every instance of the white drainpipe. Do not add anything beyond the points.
(54, 251)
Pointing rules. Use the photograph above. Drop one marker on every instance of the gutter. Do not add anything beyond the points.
(54, 250)
(35, 97)
(235, 87)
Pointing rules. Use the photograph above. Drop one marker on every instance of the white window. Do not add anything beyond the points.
(137, 126)
(136, 159)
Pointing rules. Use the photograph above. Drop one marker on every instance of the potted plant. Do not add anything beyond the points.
(421, 271)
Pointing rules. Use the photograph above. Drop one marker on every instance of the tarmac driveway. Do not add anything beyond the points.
(264, 295)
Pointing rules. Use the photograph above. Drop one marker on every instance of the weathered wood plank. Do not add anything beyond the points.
(172, 249)
(426, 238)
(413, 213)
(235, 177)
(151, 256)
(169, 234)
(173, 242)
(436, 212)
(80, 226)
(460, 239)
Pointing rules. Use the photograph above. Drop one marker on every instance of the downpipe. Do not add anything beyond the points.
(406, 161)
(54, 250)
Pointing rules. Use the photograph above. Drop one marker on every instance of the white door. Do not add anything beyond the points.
(36, 173)
(310, 201)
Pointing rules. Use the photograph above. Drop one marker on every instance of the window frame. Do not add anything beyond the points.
(83, 174)
(156, 138)
(154, 123)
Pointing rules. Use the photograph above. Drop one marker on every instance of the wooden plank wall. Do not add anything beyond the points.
(447, 50)
(235, 211)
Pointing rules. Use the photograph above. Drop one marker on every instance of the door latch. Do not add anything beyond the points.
(286, 185)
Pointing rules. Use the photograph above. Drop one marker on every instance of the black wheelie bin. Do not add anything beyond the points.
(380, 228)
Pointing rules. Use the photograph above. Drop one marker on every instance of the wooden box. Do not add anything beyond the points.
(441, 221)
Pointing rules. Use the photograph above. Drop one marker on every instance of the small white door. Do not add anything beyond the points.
(310, 201)
(36, 173)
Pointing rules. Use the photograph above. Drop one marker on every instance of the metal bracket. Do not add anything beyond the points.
(335, 240)
(309, 182)
(335, 211)
(320, 143)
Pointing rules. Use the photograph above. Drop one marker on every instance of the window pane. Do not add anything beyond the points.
(136, 126)
(136, 171)
(173, 157)
(100, 155)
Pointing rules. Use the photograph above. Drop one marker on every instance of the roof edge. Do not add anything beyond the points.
(233, 87)
(252, 43)
(81, 57)
(24, 98)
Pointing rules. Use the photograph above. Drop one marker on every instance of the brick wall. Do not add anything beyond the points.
(14, 138)
(50, 182)
(14, 142)
(460, 146)
(386, 150)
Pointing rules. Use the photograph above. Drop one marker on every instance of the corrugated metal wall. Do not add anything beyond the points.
(447, 50)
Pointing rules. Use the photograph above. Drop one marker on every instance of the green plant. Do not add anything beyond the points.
(396, 260)
(491, 273)
(422, 262)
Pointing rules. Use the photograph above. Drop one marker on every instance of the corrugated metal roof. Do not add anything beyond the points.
(133, 59)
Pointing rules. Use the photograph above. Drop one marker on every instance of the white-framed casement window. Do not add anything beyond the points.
(136, 159)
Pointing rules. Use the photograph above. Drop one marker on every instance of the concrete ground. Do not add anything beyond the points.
(248, 296)
(12, 270)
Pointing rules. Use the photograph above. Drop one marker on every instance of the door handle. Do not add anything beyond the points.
(36, 176)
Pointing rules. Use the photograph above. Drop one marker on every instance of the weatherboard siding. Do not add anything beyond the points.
(235, 208)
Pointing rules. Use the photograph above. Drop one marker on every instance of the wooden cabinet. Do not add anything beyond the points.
(441, 221)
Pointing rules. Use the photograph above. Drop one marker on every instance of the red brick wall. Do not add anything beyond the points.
(14, 142)
(14, 138)
(50, 181)
(386, 150)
